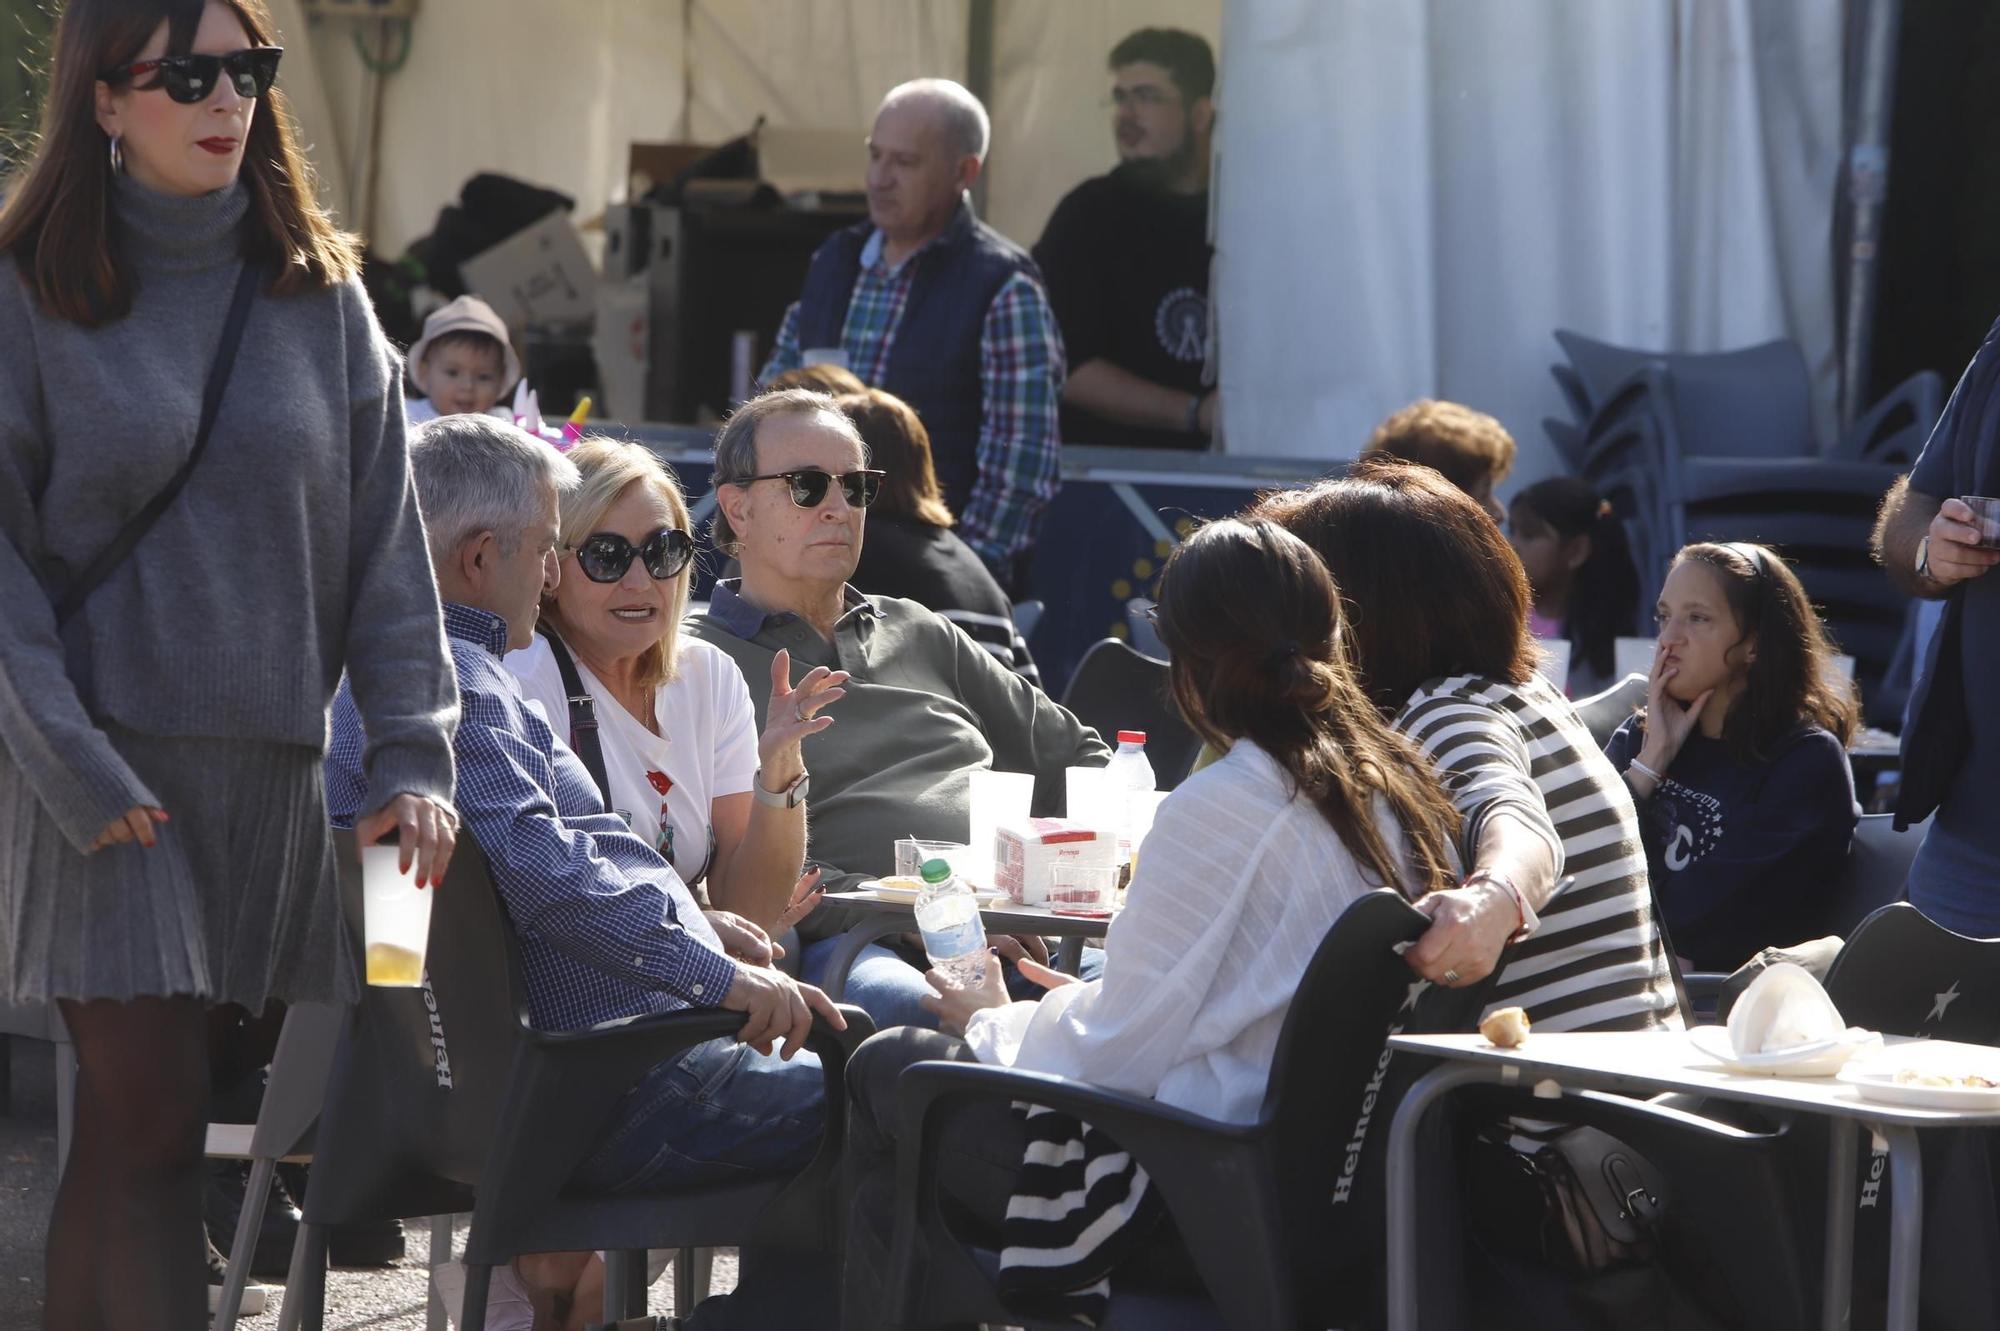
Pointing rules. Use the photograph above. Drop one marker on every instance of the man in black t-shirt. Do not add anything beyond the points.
(1125, 257)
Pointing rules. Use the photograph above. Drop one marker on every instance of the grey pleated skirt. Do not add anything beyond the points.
(237, 903)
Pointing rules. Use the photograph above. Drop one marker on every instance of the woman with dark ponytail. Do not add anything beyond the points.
(1249, 863)
(1579, 565)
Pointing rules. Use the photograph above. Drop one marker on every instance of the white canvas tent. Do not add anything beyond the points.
(1411, 193)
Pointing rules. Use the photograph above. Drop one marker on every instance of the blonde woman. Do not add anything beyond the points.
(680, 754)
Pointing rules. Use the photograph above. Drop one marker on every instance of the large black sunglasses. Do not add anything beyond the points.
(191, 78)
(809, 487)
(604, 556)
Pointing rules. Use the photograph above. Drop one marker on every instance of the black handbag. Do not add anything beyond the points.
(68, 594)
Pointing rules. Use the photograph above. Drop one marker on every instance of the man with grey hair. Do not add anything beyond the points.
(924, 705)
(607, 929)
(928, 302)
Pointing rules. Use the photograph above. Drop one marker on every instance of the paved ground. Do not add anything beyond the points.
(380, 1300)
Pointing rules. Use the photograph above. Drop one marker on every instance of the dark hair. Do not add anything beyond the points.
(1253, 624)
(1788, 684)
(824, 377)
(736, 443)
(469, 338)
(1185, 55)
(1471, 448)
(57, 218)
(900, 446)
(1604, 594)
(1432, 587)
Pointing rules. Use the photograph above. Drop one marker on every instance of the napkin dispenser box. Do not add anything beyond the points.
(1025, 852)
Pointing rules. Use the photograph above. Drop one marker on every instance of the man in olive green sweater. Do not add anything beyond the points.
(924, 706)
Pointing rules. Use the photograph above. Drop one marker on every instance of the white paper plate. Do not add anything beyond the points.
(987, 897)
(1875, 1079)
(1821, 1058)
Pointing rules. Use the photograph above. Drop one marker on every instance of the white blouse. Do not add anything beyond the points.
(1237, 885)
(664, 785)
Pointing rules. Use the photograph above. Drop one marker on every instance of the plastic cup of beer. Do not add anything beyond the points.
(395, 919)
(1082, 889)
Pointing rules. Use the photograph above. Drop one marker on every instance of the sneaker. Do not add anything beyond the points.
(508, 1307)
(222, 1203)
(255, 1296)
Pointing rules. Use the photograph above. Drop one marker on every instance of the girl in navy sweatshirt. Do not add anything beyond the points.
(1739, 762)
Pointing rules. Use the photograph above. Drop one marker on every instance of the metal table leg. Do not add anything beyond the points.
(847, 947)
(1401, 1168)
(1906, 1225)
(1069, 955)
(1837, 1284)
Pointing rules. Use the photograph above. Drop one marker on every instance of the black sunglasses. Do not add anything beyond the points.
(191, 78)
(809, 487)
(605, 556)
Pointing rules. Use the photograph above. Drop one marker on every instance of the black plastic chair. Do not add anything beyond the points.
(1115, 688)
(444, 1099)
(1275, 1239)
(1891, 974)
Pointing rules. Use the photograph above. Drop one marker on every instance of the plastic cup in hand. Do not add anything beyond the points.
(1082, 889)
(1986, 517)
(395, 919)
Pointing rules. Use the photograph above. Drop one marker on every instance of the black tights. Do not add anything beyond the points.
(125, 1249)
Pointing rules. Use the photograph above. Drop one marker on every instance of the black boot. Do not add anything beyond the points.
(222, 1203)
(365, 1243)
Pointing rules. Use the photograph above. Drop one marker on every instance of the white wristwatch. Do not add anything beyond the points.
(791, 797)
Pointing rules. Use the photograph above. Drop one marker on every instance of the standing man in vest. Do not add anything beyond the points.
(1126, 256)
(930, 303)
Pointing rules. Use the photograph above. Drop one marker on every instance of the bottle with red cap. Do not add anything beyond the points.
(1127, 772)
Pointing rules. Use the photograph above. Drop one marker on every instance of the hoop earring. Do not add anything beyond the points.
(117, 156)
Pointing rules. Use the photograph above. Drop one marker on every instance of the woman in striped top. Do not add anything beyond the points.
(1557, 899)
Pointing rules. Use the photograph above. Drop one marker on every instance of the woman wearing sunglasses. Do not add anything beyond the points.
(681, 751)
(164, 678)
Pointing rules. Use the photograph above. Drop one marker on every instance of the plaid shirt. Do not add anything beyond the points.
(1021, 378)
(607, 929)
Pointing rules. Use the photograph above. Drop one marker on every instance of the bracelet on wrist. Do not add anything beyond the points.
(1528, 920)
(1644, 770)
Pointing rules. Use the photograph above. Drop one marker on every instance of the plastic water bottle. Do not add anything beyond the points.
(948, 918)
(1127, 772)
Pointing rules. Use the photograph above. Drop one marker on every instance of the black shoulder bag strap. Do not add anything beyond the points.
(135, 529)
(582, 714)
(70, 596)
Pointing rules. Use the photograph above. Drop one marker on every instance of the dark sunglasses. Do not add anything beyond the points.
(191, 78)
(809, 487)
(605, 556)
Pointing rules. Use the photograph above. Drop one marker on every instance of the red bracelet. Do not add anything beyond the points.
(1529, 920)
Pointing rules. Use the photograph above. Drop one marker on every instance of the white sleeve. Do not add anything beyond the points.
(534, 666)
(1131, 1027)
(735, 722)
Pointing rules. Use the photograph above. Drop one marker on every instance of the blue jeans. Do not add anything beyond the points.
(720, 1110)
(889, 988)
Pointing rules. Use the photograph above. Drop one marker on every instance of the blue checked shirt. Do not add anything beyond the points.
(607, 929)
(1021, 378)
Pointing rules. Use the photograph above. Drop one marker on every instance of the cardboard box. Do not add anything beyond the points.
(1023, 854)
(539, 275)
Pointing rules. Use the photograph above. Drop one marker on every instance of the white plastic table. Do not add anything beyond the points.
(1651, 1062)
(880, 918)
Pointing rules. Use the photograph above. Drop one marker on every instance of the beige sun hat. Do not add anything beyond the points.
(467, 314)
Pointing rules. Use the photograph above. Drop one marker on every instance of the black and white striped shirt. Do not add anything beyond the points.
(1597, 962)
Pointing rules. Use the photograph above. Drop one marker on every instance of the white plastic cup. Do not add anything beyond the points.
(911, 852)
(395, 919)
(1986, 517)
(994, 799)
(1088, 797)
(1082, 889)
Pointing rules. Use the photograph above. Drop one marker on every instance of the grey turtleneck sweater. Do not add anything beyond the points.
(296, 548)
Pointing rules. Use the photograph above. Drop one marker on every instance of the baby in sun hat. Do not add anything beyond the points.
(463, 363)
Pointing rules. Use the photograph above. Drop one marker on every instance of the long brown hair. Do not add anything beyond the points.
(57, 218)
(1432, 587)
(901, 447)
(1788, 684)
(1254, 626)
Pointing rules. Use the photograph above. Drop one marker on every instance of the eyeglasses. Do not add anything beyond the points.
(809, 487)
(191, 78)
(605, 556)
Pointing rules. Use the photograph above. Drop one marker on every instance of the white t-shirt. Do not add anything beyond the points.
(664, 785)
